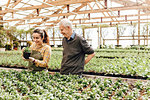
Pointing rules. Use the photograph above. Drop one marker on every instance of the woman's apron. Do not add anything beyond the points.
(36, 55)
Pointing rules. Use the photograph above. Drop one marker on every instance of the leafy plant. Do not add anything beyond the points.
(26, 53)
(8, 46)
(27, 49)
(16, 43)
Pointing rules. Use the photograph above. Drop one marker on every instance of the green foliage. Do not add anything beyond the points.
(27, 50)
(1, 45)
(131, 64)
(28, 85)
(2, 38)
(8, 46)
(16, 43)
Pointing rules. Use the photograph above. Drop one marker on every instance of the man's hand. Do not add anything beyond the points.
(89, 57)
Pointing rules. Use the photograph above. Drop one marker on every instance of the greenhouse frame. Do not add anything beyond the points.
(118, 32)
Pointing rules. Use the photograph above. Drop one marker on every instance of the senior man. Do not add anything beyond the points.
(75, 48)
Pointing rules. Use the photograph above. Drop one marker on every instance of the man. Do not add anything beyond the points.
(74, 50)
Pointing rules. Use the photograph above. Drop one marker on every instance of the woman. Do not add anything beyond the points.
(40, 51)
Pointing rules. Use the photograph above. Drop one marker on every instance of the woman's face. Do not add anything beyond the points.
(37, 38)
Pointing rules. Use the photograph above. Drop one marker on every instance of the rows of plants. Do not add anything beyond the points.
(27, 85)
(121, 55)
(122, 51)
(124, 67)
(14, 58)
(116, 52)
(100, 50)
(99, 53)
(110, 55)
(131, 47)
(138, 66)
(10, 53)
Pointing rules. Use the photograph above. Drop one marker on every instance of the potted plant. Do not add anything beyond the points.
(16, 45)
(26, 53)
(8, 46)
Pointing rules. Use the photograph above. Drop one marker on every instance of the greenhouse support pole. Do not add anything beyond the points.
(138, 27)
(144, 40)
(1, 19)
(133, 36)
(147, 35)
(103, 41)
(83, 30)
(26, 36)
(98, 37)
(117, 35)
(53, 36)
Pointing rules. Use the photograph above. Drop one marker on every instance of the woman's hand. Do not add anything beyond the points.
(31, 59)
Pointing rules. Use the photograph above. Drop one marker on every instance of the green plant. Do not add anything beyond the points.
(26, 53)
(2, 37)
(16, 43)
(1, 45)
(27, 49)
(8, 46)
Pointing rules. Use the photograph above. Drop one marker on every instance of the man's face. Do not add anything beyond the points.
(64, 30)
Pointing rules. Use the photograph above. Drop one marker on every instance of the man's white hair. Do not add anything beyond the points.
(65, 22)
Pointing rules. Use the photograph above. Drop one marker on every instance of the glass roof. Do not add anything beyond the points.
(47, 13)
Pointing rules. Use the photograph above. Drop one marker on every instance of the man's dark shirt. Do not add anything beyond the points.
(74, 54)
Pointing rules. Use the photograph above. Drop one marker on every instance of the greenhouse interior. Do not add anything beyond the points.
(74, 49)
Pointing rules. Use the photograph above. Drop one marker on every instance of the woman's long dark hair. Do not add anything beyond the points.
(43, 35)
